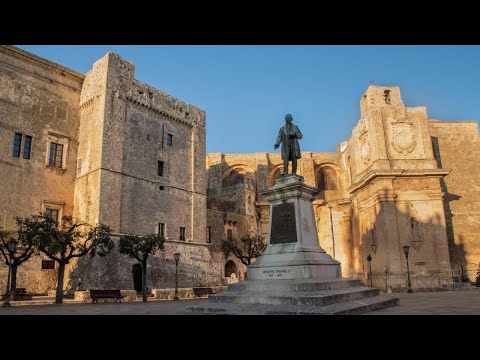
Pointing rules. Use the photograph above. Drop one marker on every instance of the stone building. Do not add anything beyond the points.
(104, 148)
(107, 148)
(400, 179)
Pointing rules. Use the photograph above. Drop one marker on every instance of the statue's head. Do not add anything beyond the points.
(288, 118)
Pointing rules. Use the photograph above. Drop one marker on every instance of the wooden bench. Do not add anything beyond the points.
(106, 294)
(202, 291)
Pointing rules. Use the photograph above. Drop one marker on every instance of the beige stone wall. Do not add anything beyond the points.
(457, 147)
(389, 191)
(40, 99)
(394, 186)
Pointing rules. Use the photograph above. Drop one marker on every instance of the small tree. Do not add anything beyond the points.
(140, 247)
(246, 249)
(68, 240)
(24, 235)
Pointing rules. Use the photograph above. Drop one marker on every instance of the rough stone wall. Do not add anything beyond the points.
(196, 268)
(246, 200)
(457, 147)
(116, 132)
(40, 99)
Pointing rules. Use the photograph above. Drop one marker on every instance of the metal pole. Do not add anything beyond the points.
(6, 301)
(176, 281)
(386, 281)
(409, 283)
(331, 230)
(370, 269)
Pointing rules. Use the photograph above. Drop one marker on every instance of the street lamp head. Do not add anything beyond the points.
(369, 258)
(176, 256)
(406, 249)
(11, 245)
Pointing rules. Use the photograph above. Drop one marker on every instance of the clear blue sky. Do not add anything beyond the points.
(247, 90)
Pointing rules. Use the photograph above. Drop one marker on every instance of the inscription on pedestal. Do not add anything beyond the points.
(283, 228)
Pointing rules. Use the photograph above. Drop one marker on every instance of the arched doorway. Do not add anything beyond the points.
(230, 268)
(137, 277)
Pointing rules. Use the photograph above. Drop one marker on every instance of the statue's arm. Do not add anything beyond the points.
(279, 137)
(299, 133)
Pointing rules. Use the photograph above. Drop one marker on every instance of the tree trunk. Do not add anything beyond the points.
(61, 272)
(13, 282)
(144, 279)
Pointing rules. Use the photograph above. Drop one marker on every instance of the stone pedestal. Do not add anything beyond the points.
(294, 275)
(293, 250)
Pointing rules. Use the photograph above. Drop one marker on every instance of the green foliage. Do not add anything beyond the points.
(245, 249)
(24, 235)
(69, 239)
(140, 246)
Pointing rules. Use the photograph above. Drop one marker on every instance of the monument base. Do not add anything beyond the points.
(296, 297)
(293, 261)
(294, 275)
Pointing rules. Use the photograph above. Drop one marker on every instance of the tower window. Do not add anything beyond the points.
(161, 229)
(160, 168)
(27, 147)
(170, 139)
(386, 97)
(17, 143)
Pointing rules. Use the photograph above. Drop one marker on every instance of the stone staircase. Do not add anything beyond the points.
(296, 297)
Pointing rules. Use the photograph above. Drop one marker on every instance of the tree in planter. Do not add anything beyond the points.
(246, 249)
(24, 236)
(69, 239)
(140, 247)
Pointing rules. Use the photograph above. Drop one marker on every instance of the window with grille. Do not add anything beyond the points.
(52, 213)
(182, 234)
(170, 139)
(55, 158)
(27, 147)
(17, 143)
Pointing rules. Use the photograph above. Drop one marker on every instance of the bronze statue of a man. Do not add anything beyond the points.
(288, 136)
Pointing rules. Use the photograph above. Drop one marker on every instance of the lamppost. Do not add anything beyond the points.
(369, 259)
(406, 249)
(386, 280)
(11, 249)
(177, 259)
(331, 229)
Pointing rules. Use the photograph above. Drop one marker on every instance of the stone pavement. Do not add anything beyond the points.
(421, 303)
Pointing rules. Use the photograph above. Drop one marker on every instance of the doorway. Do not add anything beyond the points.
(230, 269)
(137, 277)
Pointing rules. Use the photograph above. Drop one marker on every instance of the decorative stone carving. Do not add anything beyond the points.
(403, 140)
(416, 238)
(364, 143)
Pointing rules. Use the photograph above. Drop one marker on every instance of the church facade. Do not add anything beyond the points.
(105, 147)
(400, 179)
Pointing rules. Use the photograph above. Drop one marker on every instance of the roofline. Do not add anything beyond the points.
(44, 62)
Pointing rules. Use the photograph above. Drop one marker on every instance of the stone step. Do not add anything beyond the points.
(313, 298)
(294, 285)
(351, 307)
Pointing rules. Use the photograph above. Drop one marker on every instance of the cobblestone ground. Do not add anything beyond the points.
(426, 303)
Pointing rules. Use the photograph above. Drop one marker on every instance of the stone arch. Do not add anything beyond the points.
(273, 174)
(230, 268)
(238, 174)
(326, 177)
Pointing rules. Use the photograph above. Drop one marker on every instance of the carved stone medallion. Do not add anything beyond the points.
(403, 140)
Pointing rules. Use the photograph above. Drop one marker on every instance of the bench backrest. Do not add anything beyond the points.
(105, 293)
